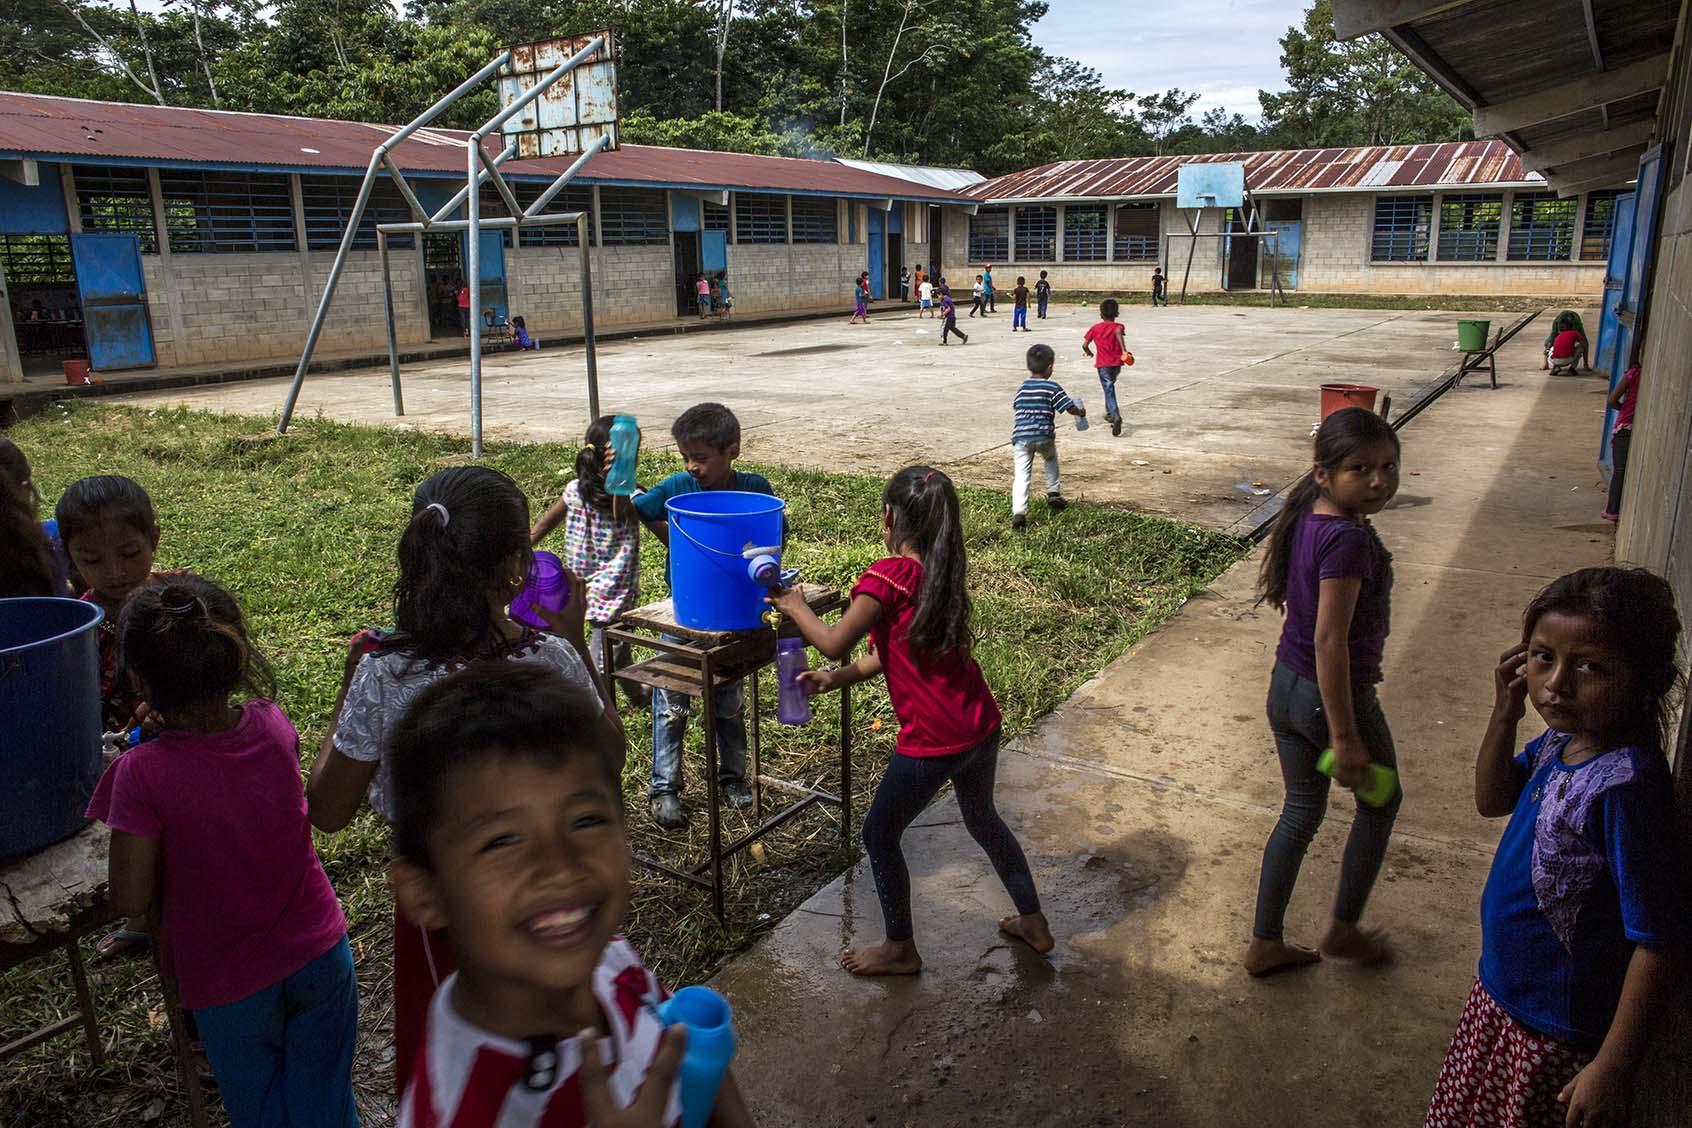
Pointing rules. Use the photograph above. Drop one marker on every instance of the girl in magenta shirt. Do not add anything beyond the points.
(209, 818)
(915, 607)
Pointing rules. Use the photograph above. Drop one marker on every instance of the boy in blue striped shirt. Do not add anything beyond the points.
(1037, 403)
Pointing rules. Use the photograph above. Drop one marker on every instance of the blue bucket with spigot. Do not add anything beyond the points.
(716, 538)
(49, 720)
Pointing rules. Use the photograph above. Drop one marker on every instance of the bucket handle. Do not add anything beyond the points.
(745, 554)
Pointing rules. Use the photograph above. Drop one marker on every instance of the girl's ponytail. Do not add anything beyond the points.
(185, 640)
(1339, 436)
(927, 518)
(590, 464)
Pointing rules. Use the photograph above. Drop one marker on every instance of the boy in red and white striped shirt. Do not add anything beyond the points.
(509, 834)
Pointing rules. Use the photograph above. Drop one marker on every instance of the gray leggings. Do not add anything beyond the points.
(1301, 733)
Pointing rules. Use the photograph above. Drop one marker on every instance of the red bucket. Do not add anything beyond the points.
(1337, 397)
(76, 371)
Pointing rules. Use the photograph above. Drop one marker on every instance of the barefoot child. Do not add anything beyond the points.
(209, 820)
(1584, 915)
(462, 558)
(1328, 571)
(509, 836)
(914, 605)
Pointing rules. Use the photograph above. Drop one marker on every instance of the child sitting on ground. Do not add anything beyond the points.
(1037, 401)
(509, 836)
(520, 335)
(1584, 917)
(708, 438)
(208, 819)
(1568, 345)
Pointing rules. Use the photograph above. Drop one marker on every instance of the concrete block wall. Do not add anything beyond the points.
(764, 278)
(630, 285)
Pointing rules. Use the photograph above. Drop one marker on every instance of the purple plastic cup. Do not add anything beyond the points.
(548, 587)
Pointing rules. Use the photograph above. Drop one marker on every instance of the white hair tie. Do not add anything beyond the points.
(446, 518)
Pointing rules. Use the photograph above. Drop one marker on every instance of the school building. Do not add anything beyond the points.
(1447, 218)
(140, 235)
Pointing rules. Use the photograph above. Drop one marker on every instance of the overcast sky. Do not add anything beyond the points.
(1224, 50)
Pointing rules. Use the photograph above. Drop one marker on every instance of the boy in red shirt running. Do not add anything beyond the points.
(1112, 355)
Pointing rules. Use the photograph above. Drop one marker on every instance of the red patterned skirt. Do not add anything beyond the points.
(1500, 1074)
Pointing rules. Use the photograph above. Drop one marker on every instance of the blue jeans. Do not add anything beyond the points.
(1107, 381)
(1042, 310)
(1301, 733)
(284, 1055)
(670, 711)
(1019, 317)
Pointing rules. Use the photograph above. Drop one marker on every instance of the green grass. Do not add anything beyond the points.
(303, 529)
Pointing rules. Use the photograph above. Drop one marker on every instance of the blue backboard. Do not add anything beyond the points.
(1210, 184)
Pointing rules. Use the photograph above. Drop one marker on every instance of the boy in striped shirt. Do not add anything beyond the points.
(1036, 404)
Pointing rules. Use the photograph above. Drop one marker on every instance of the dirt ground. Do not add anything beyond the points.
(1219, 406)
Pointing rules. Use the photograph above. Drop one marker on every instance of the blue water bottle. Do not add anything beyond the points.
(625, 449)
(710, 1048)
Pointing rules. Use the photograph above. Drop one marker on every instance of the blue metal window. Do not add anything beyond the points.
(1403, 225)
(227, 211)
(1036, 234)
(760, 218)
(1085, 233)
(716, 216)
(989, 235)
(1600, 226)
(117, 199)
(329, 205)
(1136, 232)
(1468, 226)
(633, 217)
(574, 198)
(1542, 227)
(815, 220)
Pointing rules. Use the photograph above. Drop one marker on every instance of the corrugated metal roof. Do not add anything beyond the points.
(932, 175)
(39, 125)
(1445, 164)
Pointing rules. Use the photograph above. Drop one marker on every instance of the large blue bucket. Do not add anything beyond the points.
(710, 532)
(49, 720)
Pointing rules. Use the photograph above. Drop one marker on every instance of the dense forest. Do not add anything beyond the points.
(949, 82)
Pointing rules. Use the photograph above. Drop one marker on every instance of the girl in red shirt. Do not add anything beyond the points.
(915, 607)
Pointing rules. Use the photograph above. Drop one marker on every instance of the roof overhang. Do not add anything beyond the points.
(1580, 108)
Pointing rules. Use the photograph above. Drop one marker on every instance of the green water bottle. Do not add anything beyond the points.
(1377, 790)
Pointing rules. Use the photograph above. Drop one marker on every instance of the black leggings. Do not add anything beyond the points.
(951, 327)
(910, 782)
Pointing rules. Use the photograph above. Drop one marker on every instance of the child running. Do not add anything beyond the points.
(209, 820)
(601, 545)
(977, 305)
(1042, 295)
(509, 837)
(914, 604)
(462, 558)
(1107, 334)
(1328, 571)
(1585, 909)
(1037, 402)
(949, 312)
(1019, 309)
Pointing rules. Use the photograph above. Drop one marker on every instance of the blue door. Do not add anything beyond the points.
(713, 251)
(1648, 194)
(1287, 237)
(1621, 248)
(114, 301)
(877, 233)
(493, 275)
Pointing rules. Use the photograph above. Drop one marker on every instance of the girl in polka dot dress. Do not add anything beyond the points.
(1585, 909)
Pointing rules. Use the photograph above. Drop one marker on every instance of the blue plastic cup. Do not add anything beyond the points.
(710, 1048)
(548, 587)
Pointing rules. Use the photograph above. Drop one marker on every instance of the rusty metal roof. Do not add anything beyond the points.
(33, 125)
(1447, 164)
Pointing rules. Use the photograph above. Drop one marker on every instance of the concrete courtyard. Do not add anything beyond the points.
(1219, 406)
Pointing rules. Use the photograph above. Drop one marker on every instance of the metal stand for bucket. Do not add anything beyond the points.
(699, 666)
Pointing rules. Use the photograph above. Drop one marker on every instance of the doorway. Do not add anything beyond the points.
(1239, 266)
(936, 240)
(895, 262)
(46, 307)
(443, 271)
(688, 269)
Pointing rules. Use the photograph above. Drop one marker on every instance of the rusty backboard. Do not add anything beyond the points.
(575, 110)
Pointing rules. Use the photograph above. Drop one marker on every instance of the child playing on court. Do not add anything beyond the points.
(925, 298)
(463, 556)
(1585, 910)
(1019, 309)
(1328, 571)
(1107, 334)
(987, 305)
(1042, 295)
(1037, 402)
(1160, 293)
(914, 604)
(509, 837)
(601, 545)
(708, 438)
(976, 306)
(949, 311)
(860, 299)
(209, 820)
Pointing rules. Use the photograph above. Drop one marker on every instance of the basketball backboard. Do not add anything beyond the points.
(577, 109)
(1210, 184)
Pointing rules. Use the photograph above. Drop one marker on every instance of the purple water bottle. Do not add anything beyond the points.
(548, 587)
(793, 705)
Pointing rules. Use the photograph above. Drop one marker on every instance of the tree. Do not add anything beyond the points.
(1163, 116)
(1363, 92)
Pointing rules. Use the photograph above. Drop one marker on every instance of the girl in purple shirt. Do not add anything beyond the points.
(1330, 574)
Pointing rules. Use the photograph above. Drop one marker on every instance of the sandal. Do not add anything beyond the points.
(120, 943)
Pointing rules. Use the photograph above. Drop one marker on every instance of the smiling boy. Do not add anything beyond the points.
(509, 834)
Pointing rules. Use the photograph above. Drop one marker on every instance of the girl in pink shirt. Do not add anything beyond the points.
(209, 819)
(914, 605)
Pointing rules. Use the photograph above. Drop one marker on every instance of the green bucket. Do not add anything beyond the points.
(1471, 334)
